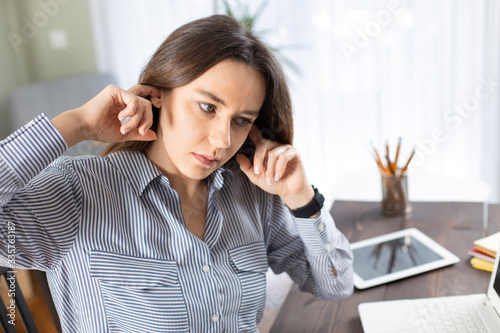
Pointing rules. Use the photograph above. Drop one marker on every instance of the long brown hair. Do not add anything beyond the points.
(194, 48)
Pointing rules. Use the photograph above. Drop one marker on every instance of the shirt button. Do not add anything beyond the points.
(215, 318)
(206, 268)
(327, 247)
(321, 226)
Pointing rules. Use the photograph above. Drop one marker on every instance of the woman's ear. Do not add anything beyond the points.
(156, 101)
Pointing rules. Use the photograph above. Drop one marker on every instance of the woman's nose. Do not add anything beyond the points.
(220, 135)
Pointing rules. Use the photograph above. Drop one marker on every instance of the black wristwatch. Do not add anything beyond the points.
(312, 207)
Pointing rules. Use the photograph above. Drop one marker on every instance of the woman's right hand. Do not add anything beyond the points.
(101, 118)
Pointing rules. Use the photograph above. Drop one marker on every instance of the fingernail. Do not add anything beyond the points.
(269, 181)
(276, 177)
(257, 170)
(125, 131)
(144, 132)
(124, 120)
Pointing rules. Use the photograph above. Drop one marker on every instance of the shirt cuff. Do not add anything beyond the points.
(32, 148)
(320, 235)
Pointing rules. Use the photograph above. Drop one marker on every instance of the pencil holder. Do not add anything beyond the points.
(395, 195)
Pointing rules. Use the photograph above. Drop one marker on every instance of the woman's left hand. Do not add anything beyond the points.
(277, 169)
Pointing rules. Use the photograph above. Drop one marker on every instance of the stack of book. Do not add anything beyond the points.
(484, 252)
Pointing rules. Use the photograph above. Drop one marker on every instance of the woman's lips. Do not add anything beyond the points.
(206, 159)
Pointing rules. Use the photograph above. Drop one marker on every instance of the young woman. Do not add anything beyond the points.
(199, 193)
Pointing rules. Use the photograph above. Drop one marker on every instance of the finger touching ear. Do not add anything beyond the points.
(144, 90)
(255, 134)
(245, 165)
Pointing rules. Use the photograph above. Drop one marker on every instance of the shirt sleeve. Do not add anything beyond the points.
(308, 249)
(39, 201)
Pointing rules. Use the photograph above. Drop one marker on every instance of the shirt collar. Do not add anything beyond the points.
(139, 171)
(216, 179)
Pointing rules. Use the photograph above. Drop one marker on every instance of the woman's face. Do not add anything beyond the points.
(203, 124)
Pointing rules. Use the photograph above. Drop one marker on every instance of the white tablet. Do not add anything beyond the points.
(396, 256)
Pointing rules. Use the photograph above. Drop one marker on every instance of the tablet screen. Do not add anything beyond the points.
(395, 256)
(392, 256)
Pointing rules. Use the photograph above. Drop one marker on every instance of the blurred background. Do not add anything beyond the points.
(361, 73)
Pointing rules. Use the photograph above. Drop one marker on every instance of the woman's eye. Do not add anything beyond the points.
(243, 121)
(207, 107)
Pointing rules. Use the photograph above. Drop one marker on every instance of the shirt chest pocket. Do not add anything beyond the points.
(250, 264)
(140, 294)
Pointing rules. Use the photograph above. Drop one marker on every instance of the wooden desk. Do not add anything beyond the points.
(454, 225)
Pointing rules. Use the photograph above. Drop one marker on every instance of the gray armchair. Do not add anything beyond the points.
(53, 98)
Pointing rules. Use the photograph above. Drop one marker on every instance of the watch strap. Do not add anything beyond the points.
(312, 207)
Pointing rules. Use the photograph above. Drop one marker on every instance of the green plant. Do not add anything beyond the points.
(240, 11)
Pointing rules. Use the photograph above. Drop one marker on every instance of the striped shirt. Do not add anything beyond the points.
(109, 232)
